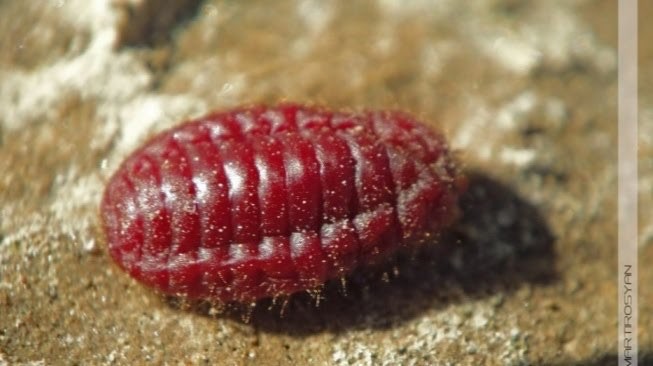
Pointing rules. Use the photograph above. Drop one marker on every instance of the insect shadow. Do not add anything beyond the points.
(500, 243)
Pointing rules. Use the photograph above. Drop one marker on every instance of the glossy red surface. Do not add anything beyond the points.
(264, 201)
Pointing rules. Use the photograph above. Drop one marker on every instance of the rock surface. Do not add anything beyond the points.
(526, 92)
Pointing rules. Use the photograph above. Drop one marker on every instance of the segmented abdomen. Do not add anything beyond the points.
(265, 201)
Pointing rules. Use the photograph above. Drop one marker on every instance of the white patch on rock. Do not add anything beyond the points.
(518, 157)
(97, 72)
(512, 52)
(315, 14)
(139, 118)
(515, 112)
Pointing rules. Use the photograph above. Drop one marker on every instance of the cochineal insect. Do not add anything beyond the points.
(266, 201)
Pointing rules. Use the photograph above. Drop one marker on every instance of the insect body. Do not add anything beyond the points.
(265, 201)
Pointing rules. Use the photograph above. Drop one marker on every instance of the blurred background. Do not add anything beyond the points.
(525, 91)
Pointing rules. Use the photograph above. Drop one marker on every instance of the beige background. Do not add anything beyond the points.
(525, 91)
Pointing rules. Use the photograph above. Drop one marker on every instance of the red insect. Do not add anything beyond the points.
(265, 201)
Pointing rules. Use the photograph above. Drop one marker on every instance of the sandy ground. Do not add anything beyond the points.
(525, 91)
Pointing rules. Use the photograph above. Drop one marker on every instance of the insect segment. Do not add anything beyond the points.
(266, 201)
